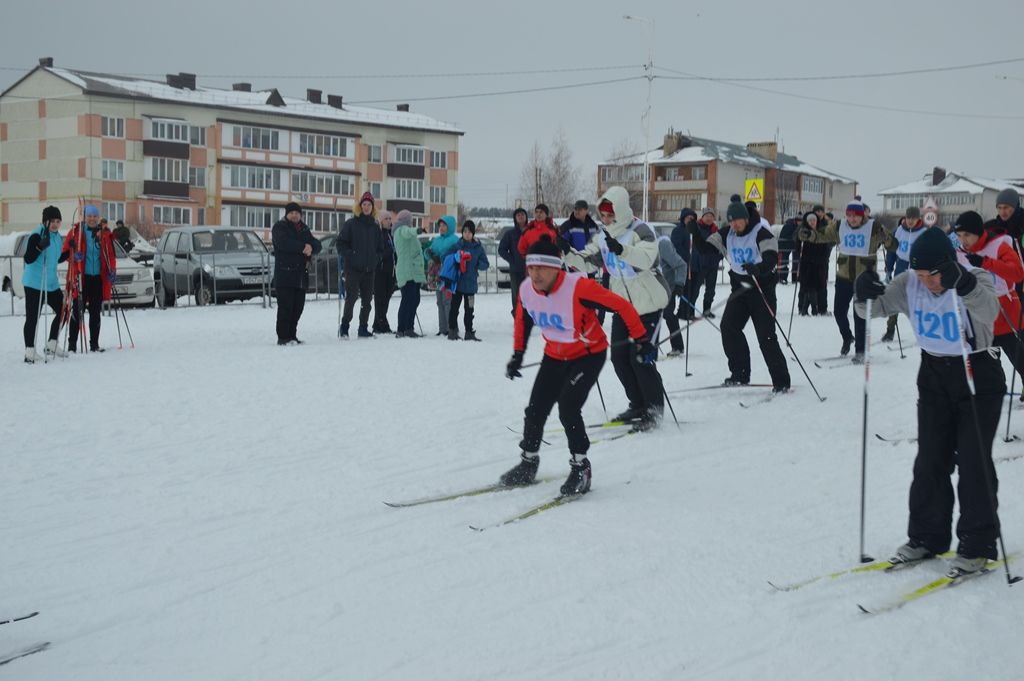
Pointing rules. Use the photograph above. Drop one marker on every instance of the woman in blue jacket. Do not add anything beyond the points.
(42, 253)
(469, 261)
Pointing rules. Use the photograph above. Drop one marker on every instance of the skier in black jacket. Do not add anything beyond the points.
(294, 245)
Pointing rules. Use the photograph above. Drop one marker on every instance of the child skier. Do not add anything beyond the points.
(956, 425)
(563, 306)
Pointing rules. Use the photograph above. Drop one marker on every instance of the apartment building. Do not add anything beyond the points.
(160, 153)
(694, 172)
(952, 193)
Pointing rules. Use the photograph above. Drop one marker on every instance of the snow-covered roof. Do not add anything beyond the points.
(954, 183)
(702, 150)
(257, 102)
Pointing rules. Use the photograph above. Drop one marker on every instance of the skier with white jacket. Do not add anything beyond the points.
(627, 248)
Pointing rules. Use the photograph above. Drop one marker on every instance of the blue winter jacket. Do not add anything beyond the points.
(467, 284)
(441, 245)
(33, 274)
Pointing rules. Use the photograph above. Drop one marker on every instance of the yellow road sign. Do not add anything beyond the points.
(753, 190)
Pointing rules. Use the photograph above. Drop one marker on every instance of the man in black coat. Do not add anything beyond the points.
(787, 248)
(384, 284)
(293, 245)
(361, 246)
(508, 248)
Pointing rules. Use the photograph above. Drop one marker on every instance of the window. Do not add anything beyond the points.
(254, 216)
(409, 155)
(114, 210)
(439, 159)
(417, 222)
(326, 145)
(375, 153)
(168, 170)
(113, 170)
(437, 195)
(172, 215)
(170, 131)
(202, 216)
(255, 177)
(112, 127)
(375, 189)
(671, 174)
(814, 185)
(197, 178)
(322, 183)
(197, 136)
(324, 220)
(698, 173)
(409, 189)
(249, 137)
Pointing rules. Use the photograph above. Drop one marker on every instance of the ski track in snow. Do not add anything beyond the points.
(208, 506)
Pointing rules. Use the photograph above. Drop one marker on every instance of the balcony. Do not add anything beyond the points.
(680, 185)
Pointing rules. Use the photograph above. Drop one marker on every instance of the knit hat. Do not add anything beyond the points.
(403, 218)
(735, 198)
(519, 210)
(543, 207)
(581, 204)
(92, 211)
(544, 253)
(969, 222)
(913, 213)
(707, 211)
(818, 207)
(292, 206)
(737, 211)
(386, 214)
(1009, 197)
(367, 196)
(606, 206)
(855, 207)
(51, 213)
(470, 225)
(930, 250)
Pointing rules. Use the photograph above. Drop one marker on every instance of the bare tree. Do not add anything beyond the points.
(626, 171)
(551, 177)
(787, 195)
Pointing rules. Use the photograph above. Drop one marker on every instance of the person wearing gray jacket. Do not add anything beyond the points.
(674, 269)
(952, 312)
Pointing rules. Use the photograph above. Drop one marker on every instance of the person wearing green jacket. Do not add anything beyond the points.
(409, 273)
(858, 239)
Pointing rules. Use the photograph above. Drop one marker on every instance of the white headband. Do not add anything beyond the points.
(540, 260)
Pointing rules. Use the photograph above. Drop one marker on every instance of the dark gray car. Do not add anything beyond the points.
(214, 264)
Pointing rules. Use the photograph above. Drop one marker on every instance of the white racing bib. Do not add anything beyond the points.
(991, 250)
(905, 238)
(616, 266)
(856, 241)
(933, 319)
(742, 248)
(553, 313)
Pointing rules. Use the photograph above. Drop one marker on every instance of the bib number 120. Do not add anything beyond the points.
(931, 325)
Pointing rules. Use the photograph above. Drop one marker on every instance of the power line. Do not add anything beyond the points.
(857, 76)
(840, 102)
(571, 86)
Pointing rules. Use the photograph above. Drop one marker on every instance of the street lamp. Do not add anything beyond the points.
(649, 67)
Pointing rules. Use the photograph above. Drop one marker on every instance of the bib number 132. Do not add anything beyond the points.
(931, 325)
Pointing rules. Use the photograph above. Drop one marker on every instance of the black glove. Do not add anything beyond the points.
(512, 368)
(953, 275)
(804, 233)
(44, 241)
(679, 291)
(752, 268)
(974, 259)
(563, 244)
(868, 286)
(694, 230)
(644, 350)
(613, 245)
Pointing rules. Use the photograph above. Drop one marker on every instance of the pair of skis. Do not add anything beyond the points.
(947, 581)
(26, 650)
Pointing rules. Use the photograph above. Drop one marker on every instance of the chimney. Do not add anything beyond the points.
(768, 150)
(174, 80)
(402, 107)
(46, 62)
(335, 101)
(242, 87)
(938, 175)
(187, 80)
(313, 96)
(671, 144)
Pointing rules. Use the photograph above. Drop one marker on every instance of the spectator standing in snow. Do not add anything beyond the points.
(384, 277)
(294, 245)
(93, 262)
(469, 261)
(45, 249)
(580, 228)
(811, 273)
(409, 273)
(703, 266)
(508, 249)
(787, 249)
(540, 225)
(361, 246)
(674, 269)
(434, 253)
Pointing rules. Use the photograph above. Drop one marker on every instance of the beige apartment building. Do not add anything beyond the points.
(952, 193)
(161, 153)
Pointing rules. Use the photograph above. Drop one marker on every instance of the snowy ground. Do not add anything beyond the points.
(208, 506)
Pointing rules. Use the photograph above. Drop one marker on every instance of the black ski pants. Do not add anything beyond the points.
(566, 383)
(55, 299)
(844, 296)
(751, 306)
(672, 323)
(383, 288)
(707, 278)
(948, 438)
(453, 312)
(1013, 351)
(642, 382)
(516, 279)
(290, 303)
(358, 284)
(92, 295)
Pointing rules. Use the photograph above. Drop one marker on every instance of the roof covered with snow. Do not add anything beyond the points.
(702, 150)
(257, 101)
(954, 183)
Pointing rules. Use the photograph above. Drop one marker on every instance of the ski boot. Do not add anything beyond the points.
(963, 565)
(53, 350)
(470, 336)
(781, 389)
(858, 358)
(578, 481)
(524, 473)
(453, 334)
(847, 344)
(30, 356)
(364, 332)
(733, 381)
(911, 552)
(629, 415)
(343, 332)
(708, 314)
(674, 352)
(888, 336)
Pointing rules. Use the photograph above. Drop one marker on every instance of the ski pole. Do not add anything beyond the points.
(864, 558)
(41, 312)
(669, 403)
(417, 322)
(738, 292)
(1013, 374)
(788, 344)
(689, 290)
(986, 461)
(601, 395)
(792, 310)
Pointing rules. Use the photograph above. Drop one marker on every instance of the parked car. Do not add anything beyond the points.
(214, 264)
(134, 286)
(323, 267)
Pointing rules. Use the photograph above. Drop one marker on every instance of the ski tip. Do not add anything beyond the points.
(476, 529)
(864, 610)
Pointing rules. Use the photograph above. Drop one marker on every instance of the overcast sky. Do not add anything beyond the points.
(264, 41)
